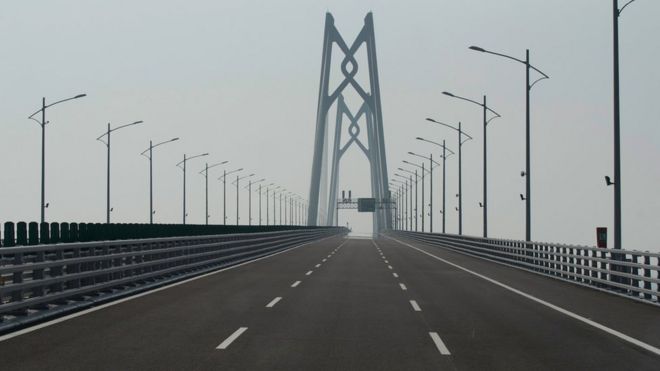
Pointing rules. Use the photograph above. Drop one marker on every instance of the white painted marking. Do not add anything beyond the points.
(415, 306)
(295, 284)
(386, 262)
(308, 273)
(136, 296)
(389, 266)
(559, 309)
(273, 302)
(329, 255)
(324, 260)
(403, 287)
(231, 338)
(395, 275)
(317, 265)
(442, 348)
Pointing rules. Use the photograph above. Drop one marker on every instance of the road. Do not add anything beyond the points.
(352, 304)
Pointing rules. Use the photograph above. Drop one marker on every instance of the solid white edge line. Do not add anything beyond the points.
(308, 273)
(273, 302)
(442, 348)
(561, 310)
(415, 306)
(145, 293)
(295, 284)
(403, 287)
(231, 338)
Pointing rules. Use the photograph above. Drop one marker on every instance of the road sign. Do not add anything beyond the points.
(366, 205)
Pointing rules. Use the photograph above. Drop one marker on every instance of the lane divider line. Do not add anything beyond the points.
(317, 265)
(324, 260)
(403, 287)
(415, 306)
(442, 348)
(389, 266)
(149, 292)
(308, 273)
(231, 338)
(295, 284)
(273, 302)
(395, 275)
(559, 309)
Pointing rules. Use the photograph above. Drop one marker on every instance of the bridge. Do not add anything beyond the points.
(290, 288)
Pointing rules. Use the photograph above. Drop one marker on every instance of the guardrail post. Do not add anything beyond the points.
(44, 233)
(647, 275)
(64, 232)
(21, 234)
(54, 232)
(73, 233)
(10, 238)
(33, 233)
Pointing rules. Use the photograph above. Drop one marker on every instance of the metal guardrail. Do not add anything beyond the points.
(37, 282)
(633, 274)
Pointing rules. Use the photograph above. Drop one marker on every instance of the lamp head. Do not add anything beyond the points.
(478, 49)
(79, 96)
(448, 93)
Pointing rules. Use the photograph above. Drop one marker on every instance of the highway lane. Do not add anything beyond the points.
(349, 305)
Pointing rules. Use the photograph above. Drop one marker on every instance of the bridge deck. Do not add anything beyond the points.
(351, 312)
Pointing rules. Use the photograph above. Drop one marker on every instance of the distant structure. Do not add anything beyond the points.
(322, 209)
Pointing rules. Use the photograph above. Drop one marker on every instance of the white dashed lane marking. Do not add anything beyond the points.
(231, 338)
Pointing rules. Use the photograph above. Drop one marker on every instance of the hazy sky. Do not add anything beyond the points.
(240, 80)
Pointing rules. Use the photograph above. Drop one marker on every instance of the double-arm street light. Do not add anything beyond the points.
(238, 180)
(224, 193)
(151, 178)
(205, 172)
(249, 188)
(444, 167)
(43, 123)
(431, 162)
(528, 88)
(268, 205)
(460, 166)
(486, 120)
(413, 210)
(183, 162)
(107, 144)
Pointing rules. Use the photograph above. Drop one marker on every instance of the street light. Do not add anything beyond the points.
(412, 173)
(486, 120)
(460, 166)
(238, 179)
(184, 161)
(267, 205)
(404, 211)
(528, 88)
(43, 123)
(205, 172)
(424, 171)
(431, 162)
(249, 188)
(444, 167)
(107, 144)
(224, 193)
(151, 179)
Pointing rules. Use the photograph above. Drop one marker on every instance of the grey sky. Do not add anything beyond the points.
(240, 80)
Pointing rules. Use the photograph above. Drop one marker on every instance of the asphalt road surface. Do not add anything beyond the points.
(352, 304)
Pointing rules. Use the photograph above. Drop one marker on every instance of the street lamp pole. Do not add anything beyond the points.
(485, 109)
(238, 179)
(151, 173)
(43, 123)
(249, 188)
(184, 161)
(205, 172)
(460, 169)
(444, 167)
(107, 144)
(528, 88)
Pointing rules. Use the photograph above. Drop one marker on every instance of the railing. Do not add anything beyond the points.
(634, 274)
(39, 281)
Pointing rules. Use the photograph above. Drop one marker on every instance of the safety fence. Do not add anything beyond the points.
(37, 282)
(634, 274)
(33, 233)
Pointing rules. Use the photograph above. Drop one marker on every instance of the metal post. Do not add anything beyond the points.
(444, 167)
(151, 183)
(274, 220)
(184, 188)
(528, 175)
(267, 203)
(237, 181)
(460, 184)
(249, 202)
(431, 192)
(107, 208)
(206, 176)
(423, 204)
(259, 204)
(43, 160)
(224, 197)
(485, 174)
(416, 203)
(281, 209)
(617, 122)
